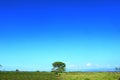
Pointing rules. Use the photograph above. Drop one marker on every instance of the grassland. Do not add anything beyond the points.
(63, 76)
(27, 76)
(91, 76)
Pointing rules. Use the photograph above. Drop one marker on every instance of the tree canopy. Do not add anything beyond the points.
(58, 67)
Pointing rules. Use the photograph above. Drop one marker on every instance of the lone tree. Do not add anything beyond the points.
(17, 70)
(58, 67)
(117, 69)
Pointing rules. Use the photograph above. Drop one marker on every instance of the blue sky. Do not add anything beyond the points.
(36, 33)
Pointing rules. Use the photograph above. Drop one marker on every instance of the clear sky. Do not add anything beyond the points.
(82, 33)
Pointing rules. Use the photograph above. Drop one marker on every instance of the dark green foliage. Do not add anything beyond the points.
(118, 78)
(58, 67)
(58, 64)
(37, 71)
(86, 79)
(17, 70)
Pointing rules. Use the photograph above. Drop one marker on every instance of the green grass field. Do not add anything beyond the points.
(27, 76)
(63, 76)
(91, 76)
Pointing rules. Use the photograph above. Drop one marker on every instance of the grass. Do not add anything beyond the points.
(91, 76)
(27, 76)
(62, 76)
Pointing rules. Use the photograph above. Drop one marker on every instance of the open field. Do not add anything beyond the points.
(27, 76)
(63, 76)
(91, 76)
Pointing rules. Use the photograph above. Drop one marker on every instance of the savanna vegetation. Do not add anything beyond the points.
(91, 76)
(58, 73)
(60, 76)
(27, 76)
